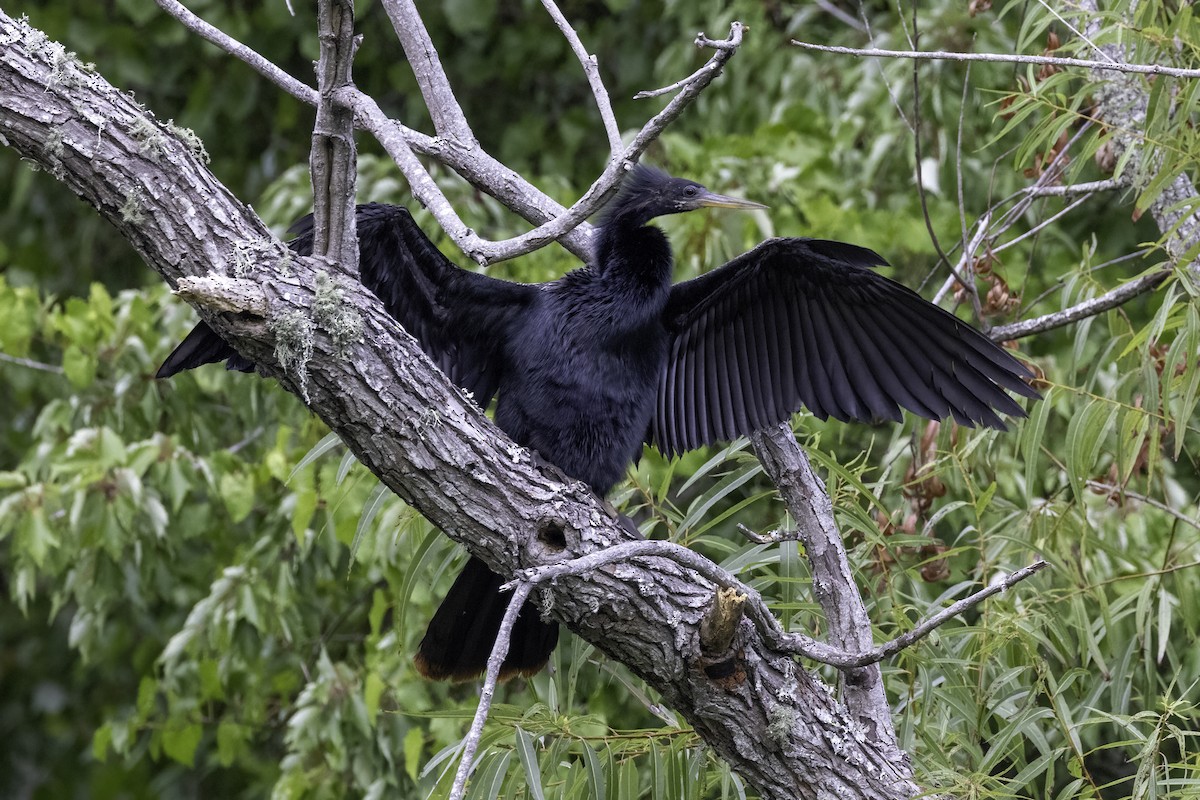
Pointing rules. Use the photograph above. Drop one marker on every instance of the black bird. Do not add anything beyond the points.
(588, 368)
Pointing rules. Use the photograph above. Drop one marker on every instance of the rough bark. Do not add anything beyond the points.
(833, 584)
(776, 724)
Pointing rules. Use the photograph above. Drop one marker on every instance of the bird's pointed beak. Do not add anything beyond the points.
(714, 200)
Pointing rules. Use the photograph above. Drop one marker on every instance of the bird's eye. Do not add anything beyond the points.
(691, 191)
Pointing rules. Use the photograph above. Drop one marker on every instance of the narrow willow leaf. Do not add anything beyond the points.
(1085, 437)
(1032, 432)
(319, 449)
(726, 453)
(722, 489)
(1166, 613)
(658, 774)
(1135, 424)
(370, 508)
(831, 464)
(489, 777)
(1189, 380)
(348, 462)
(427, 550)
(1166, 319)
(597, 783)
(529, 762)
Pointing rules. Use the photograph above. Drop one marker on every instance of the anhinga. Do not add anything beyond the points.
(588, 368)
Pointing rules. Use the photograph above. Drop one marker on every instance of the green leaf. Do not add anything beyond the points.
(147, 693)
(36, 537)
(101, 739)
(11, 480)
(373, 688)
(984, 499)
(180, 742)
(414, 745)
(79, 367)
(380, 603)
(303, 511)
(209, 672)
(489, 776)
(237, 492)
(231, 740)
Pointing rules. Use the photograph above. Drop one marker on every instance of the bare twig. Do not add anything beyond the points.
(1003, 58)
(679, 84)
(965, 272)
(756, 610)
(592, 70)
(1088, 187)
(774, 537)
(1067, 209)
(495, 661)
(953, 610)
(692, 87)
(448, 118)
(465, 156)
(469, 161)
(991, 225)
(1088, 308)
(261, 65)
(710, 69)
(31, 364)
(423, 187)
(1061, 282)
(1121, 491)
(763, 619)
(603, 186)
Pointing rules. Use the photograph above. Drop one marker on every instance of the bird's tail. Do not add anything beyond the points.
(461, 634)
(202, 346)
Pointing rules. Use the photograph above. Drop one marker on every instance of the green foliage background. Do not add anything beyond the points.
(206, 597)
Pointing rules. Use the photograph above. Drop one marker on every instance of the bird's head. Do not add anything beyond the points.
(648, 193)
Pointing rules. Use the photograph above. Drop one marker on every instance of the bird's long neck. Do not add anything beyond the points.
(634, 257)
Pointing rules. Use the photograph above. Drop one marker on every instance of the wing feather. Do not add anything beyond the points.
(803, 322)
(461, 319)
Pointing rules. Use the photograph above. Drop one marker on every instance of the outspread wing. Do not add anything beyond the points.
(461, 319)
(808, 322)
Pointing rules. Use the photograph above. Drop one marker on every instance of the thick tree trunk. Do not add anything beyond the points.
(776, 724)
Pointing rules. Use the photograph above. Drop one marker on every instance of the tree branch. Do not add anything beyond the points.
(333, 158)
(254, 60)
(495, 661)
(1088, 308)
(1003, 58)
(448, 118)
(592, 70)
(833, 583)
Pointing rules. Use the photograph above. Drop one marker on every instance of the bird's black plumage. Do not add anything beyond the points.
(588, 368)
